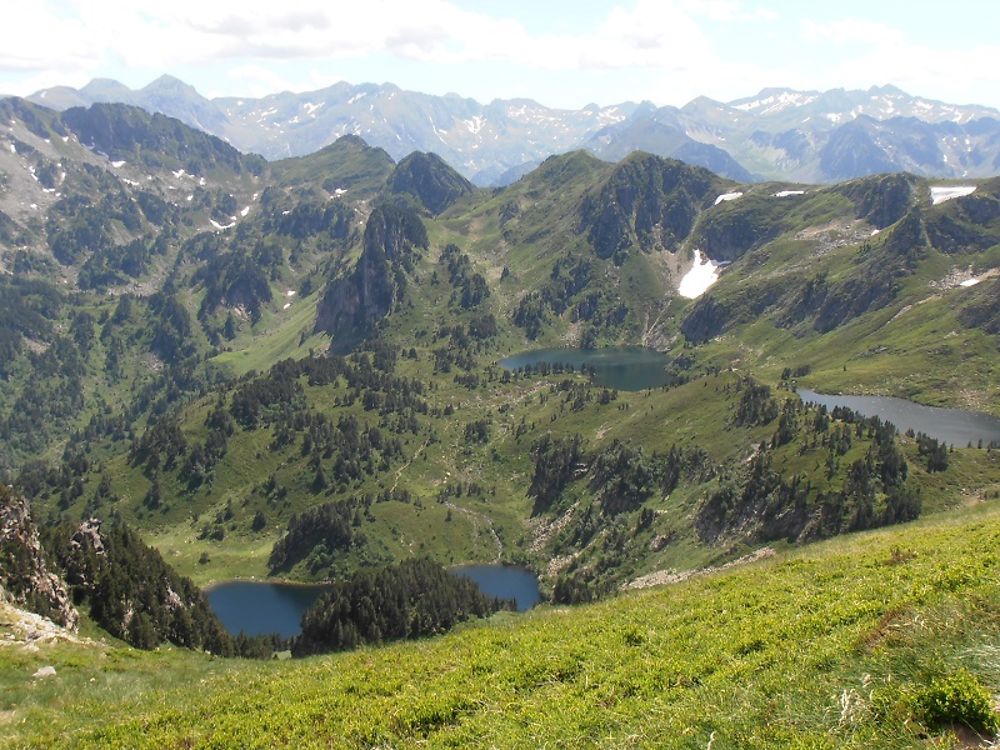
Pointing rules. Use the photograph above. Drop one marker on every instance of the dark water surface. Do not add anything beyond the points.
(953, 426)
(261, 607)
(505, 582)
(624, 368)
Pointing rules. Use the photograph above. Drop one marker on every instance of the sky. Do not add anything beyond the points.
(562, 54)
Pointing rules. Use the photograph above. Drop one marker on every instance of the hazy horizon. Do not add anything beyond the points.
(560, 54)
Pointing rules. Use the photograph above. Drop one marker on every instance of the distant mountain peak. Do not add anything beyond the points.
(888, 90)
(169, 83)
(779, 133)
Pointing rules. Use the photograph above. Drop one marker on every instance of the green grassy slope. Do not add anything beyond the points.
(823, 647)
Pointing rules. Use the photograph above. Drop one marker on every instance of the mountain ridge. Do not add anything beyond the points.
(778, 133)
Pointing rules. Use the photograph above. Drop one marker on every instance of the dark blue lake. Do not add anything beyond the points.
(261, 607)
(505, 582)
(953, 426)
(624, 368)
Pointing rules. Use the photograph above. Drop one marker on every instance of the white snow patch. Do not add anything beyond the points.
(875, 231)
(286, 305)
(942, 193)
(201, 181)
(356, 97)
(13, 149)
(117, 164)
(339, 191)
(771, 104)
(970, 282)
(179, 173)
(219, 226)
(727, 197)
(290, 293)
(786, 193)
(245, 211)
(475, 124)
(189, 198)
(285, 213)
(33, 205)
(702, 275)
(311, 108)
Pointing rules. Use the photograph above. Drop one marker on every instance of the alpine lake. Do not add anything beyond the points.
(265, 607)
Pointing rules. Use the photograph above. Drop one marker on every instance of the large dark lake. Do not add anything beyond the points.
(953, 426)
(624, 368)
(261, 608)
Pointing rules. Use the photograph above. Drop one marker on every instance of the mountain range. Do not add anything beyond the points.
(805, 136)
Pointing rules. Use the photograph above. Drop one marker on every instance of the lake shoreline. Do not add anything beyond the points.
(956, 427)
(623, 368)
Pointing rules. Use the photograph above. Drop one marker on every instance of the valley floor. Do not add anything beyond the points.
(820, 647)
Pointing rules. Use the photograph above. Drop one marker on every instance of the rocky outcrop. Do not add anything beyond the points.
(352, 304)
(733, 228)
(984, 310)
(26, 577)
(881, 200)
(647, 203)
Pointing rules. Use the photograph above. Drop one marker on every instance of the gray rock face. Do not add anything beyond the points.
(354, 303)
(25, 578)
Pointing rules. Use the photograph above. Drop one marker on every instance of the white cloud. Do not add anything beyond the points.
(668, 51)
(66, 45)
(154, 34)
(849, 31)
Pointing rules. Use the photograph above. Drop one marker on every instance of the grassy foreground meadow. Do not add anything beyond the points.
(834, 645)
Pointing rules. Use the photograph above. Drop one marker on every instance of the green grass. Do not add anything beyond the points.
(280, 334)
(782, 653)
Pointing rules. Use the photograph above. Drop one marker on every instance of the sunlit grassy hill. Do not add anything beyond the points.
(841, 644)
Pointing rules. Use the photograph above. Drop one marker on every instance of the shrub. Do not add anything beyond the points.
(958, 698)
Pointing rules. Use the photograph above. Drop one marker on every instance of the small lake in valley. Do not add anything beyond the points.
(263, 607)
(505, 582)
(952, 426)
(624, 368)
